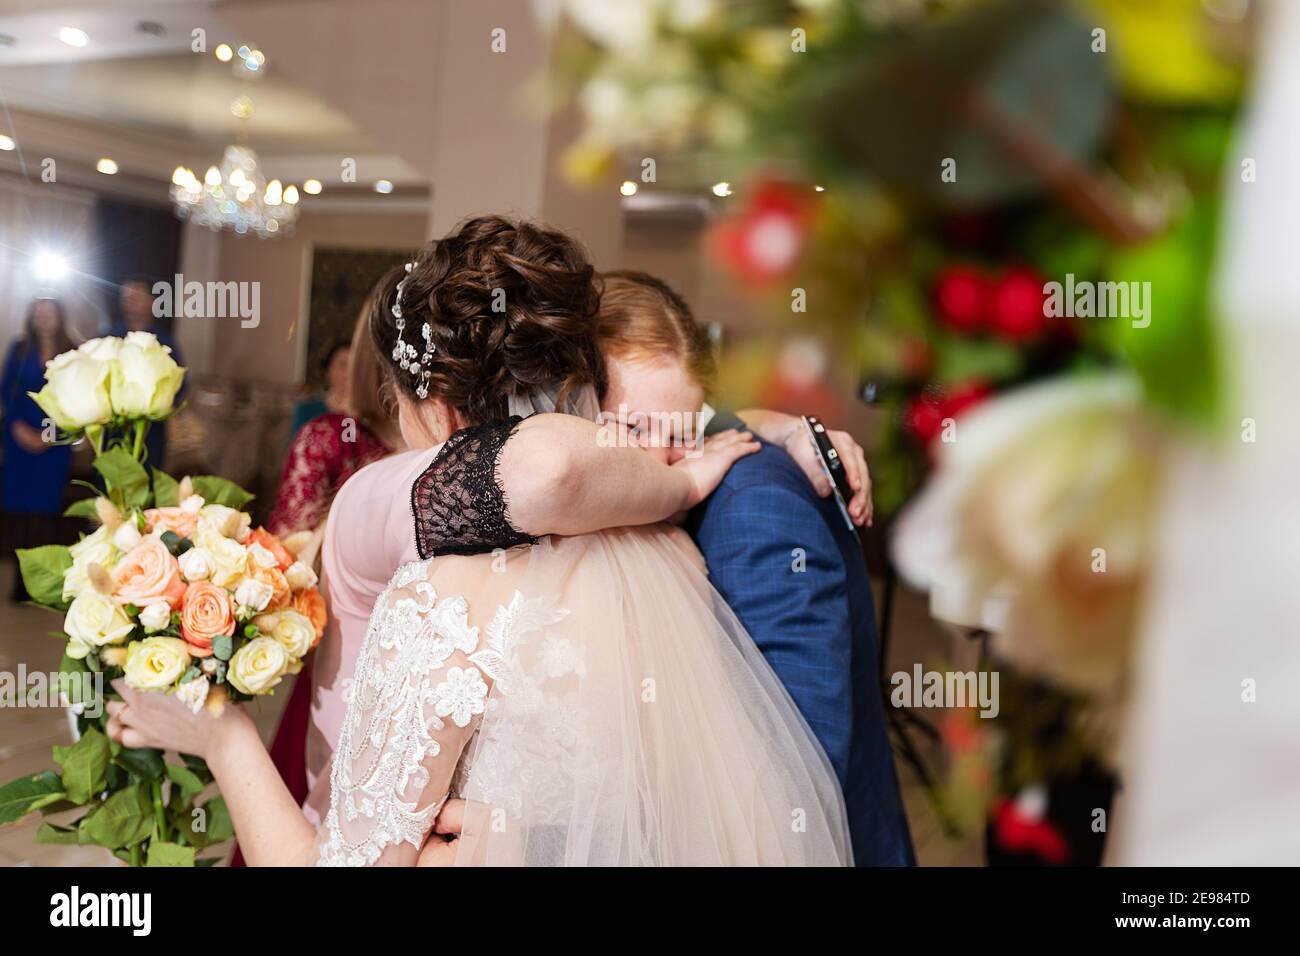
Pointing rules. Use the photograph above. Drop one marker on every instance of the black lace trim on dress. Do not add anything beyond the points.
(457, 503)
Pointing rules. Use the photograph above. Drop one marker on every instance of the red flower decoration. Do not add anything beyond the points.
(925, 414)
(961, 296)
(1019, 833)
(1017, 308)
(766, 240)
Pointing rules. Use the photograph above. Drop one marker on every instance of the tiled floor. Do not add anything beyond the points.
(26, 735)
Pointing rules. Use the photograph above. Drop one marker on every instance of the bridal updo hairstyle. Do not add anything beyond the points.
(543, 334)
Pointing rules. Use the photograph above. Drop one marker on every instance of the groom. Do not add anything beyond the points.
(795, 575)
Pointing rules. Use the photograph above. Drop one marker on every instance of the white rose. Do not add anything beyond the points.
(258, 666)
(103, 350)
(96, 619)
(156, 616)
(193, 693)
(300, 576)
(126, 537)
(229, 558)
(145, 378)
(192, 505)
(76, 392)
(96, 548)
(196, 564)
(289, 629)
(156, 662)
(262, 556)
(254, 594)
(224, 521)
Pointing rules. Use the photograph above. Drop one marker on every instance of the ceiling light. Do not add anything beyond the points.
(73, 37)
(106, 166)
(311, 187)
(49, 265)
(291, 195)
(628, 188)
(224, 53)
(383, 186)
(722, 189)
(820, 189)
(7, 142)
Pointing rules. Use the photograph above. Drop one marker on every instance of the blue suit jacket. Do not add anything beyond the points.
(816, 628)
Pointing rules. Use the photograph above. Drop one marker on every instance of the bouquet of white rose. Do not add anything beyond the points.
(174, 591)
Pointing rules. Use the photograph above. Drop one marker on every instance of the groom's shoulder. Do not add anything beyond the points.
(768, 467)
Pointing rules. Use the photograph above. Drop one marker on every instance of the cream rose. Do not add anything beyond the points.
(300, 576)
(258, 666)
(229, 557)
(253, 594)
(127, 536)
(96, 548)
(196, 564)
(95, 619)
(261, 556)
(294, 632)
(156, 616)
(145, 378)
(194, 693)
(76, 391)
(225, 521)
(102, 350)
(156, 662)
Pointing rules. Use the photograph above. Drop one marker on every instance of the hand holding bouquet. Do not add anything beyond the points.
(174, 591)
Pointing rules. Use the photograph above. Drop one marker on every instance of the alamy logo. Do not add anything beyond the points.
(1098, 300)
(73, 909)
(946, 689)
(209, 300)
(83, 691)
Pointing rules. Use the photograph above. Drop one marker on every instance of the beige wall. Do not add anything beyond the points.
(273, 350)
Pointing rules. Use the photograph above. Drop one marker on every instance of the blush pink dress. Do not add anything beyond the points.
(368, 535)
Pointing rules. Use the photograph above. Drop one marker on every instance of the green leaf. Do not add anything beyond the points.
(186, 780)
(207, 861)
(42, 570)
(84, 508)
(166, 490)
(49, 833)
(175, 543)
(169, 854)
(223, 645)
(125, 818)
(219, 491)
(20, 797)
(71, 682)
(199, 766)
(84, 766)
(124, 476)
(144, 762)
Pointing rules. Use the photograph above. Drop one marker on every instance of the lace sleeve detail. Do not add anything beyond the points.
(416, 700)
(457, 502)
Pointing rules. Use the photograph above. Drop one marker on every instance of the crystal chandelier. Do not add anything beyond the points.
(236, 196)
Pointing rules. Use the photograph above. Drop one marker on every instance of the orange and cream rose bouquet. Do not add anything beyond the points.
(173, 591)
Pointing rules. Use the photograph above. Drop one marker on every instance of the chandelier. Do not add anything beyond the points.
(235, 196)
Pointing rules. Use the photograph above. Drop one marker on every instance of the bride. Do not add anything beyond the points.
(590, 697)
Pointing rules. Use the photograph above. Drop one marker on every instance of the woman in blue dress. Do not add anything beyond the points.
(35, 473)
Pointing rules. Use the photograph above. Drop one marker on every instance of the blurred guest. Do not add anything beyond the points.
(354, 431)
(136, 301)
(335, 368)
(35, 471)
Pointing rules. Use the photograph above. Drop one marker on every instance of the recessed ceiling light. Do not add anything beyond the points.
(628, 188)
(224, 53)
(7, 142)
(107, 167)
(73, 37)
(722, 189)
(311, 187)
(383, 186)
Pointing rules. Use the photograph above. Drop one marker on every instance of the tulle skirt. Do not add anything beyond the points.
(636, 723)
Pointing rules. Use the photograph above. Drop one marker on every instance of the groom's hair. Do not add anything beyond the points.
(643, 317)
(511, 308)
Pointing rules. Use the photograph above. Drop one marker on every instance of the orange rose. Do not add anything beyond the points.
(171, 519)
(206, 612)
(147, 574)
(311, 605)
(280, 591)
(271, 543)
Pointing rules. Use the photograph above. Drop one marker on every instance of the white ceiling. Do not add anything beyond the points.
(151, 102)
